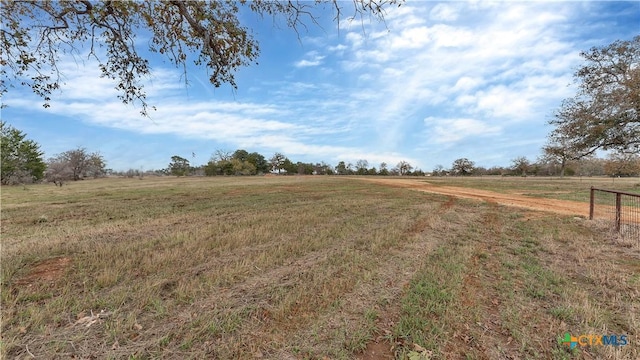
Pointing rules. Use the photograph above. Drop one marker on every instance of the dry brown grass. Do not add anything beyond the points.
(300, 267)
(567, 188)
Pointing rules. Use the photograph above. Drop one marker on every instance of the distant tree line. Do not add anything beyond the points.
(22, 161)
(615, 164)
(242, 162)
(602, 117)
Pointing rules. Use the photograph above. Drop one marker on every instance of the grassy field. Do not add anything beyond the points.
(303, 268)
(569, 188)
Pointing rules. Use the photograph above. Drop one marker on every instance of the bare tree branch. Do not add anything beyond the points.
(208, 33)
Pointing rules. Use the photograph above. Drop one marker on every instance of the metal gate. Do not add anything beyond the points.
(620, 208)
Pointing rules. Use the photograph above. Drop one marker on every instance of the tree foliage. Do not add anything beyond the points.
(521, 165)
(179, 166)
(559, 150)
(341, 168)
(277, 162)
(258, 161)
(362, 167)
(605, 113)
(21, 160)
(34, 34)
(58, 171)
(622, 164)
(462, 166)
(240, 163)
(403, 168)
(323, 169)
(76, 164)
(439, 170)
(289, 167)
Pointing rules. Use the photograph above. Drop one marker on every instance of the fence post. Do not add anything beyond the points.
(591, 205)
(618, 211)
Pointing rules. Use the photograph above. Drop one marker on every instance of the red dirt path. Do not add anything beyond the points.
(563, 207)
(382, 350)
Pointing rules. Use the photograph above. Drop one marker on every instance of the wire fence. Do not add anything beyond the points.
(620, 209)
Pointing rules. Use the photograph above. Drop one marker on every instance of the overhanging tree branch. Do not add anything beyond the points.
(207, 33)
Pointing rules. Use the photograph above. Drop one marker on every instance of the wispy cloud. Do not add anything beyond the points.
(443, 131)
(312, 59)
(496, 64)
(435, 81)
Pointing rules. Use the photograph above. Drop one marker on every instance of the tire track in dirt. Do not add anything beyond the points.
(563, 207)
(487, 334)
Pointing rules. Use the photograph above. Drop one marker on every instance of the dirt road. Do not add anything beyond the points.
(563, 207)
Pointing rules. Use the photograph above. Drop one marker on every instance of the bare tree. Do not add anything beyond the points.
(520, 165)
(383, 169)
(403, 168)
(222, 155)
(81, 164)
(559, 149)
(438, 170)
(58, 171)
(362, 166)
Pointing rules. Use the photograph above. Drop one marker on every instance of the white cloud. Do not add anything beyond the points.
(444, 12)
(466, 83)
(337, 48)
(307, 63)
(505, 102)
(313, 59)
(406, 16)
(355, 39)
(508, 65)
(443, 131)
(411, 38)
(445, 73)
(450, 36)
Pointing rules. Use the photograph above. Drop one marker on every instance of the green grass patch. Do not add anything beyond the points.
(428, 301)
(305, 267)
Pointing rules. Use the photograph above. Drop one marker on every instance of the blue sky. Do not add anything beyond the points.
(436, 82)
